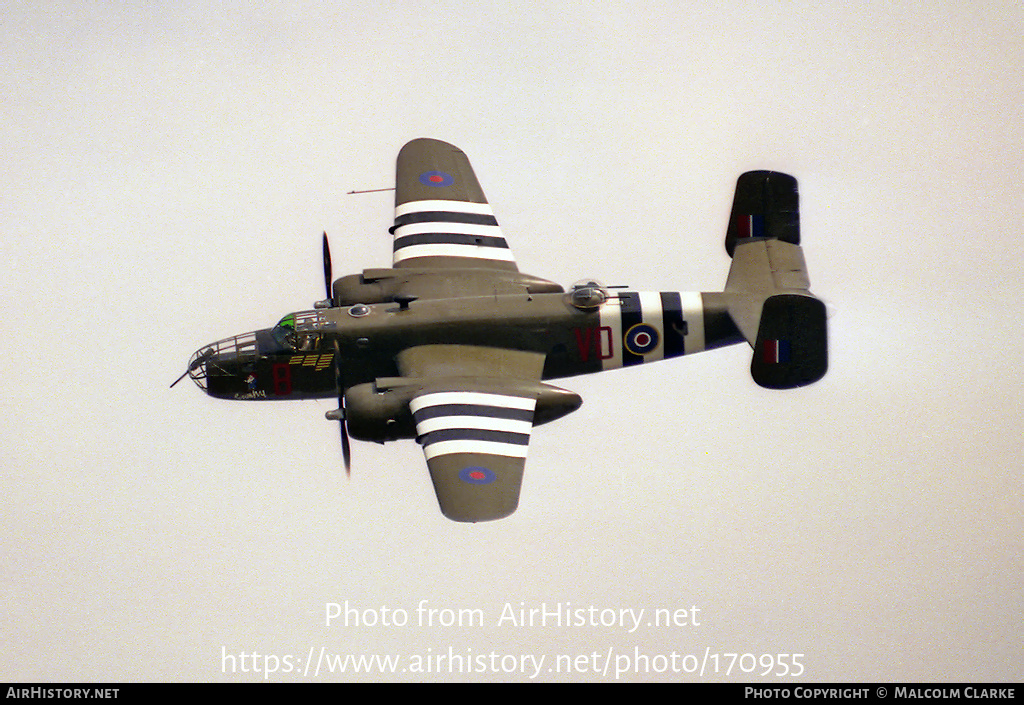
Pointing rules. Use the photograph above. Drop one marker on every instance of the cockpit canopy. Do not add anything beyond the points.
(301, 331)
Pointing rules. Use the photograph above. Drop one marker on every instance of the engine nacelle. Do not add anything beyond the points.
(379, 411)
(356, 289)
(375, 286)
(379, 414)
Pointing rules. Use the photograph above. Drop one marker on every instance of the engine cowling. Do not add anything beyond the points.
(379, 414)
(376, 286)
(379, 411)
(355, 289)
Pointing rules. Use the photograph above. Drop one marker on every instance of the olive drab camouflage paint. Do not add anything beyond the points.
(452, 345)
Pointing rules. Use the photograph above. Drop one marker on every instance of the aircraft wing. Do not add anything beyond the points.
(473, 415)
(442, 218)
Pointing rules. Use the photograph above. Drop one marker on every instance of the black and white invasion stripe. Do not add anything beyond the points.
(436, 228)
(675, 321)
(473, 422)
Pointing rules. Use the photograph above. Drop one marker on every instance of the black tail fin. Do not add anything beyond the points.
(766, 205)
(791, 349)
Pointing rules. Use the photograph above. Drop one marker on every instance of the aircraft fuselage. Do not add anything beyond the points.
(627, 328)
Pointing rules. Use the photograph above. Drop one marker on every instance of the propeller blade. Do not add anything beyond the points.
(327, 268)
(346, 450)
(339, 383)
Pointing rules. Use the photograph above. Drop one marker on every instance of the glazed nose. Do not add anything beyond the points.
(221, 357)
(198, 365)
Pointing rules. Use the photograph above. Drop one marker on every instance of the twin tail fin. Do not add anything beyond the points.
(768, 292)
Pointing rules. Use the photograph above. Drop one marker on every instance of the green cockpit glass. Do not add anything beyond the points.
(297, 335)
(284, 332)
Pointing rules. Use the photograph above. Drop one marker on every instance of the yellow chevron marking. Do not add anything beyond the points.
(319, 362)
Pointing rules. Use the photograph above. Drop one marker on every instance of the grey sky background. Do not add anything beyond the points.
(168, 171)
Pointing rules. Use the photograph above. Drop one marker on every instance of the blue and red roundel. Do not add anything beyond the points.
(476, 475)
(436, 178)
(641, 339)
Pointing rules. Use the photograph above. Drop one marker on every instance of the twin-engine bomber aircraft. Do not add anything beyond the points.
(450, 345)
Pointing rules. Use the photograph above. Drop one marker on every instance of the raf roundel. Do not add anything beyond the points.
(436, 178)
(476, 475)
(641, 339)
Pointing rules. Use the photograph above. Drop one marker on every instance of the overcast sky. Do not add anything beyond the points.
(168, 172)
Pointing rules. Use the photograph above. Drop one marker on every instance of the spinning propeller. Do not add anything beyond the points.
(339, 413)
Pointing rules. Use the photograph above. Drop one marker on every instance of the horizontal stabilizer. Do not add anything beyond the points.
(766, 205)
(791, 349)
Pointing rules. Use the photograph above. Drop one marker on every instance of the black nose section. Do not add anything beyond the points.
(222, 361)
